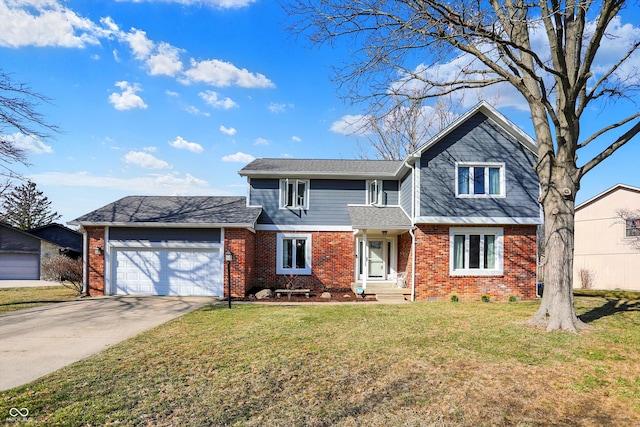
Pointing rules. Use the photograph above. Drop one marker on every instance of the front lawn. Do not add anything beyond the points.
(469, 364)
(13, 299)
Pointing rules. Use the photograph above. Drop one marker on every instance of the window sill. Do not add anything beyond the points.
(479, 273)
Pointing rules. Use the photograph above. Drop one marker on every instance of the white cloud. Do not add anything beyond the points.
(183, 144)
(277, 108)
(195, 111)
(261, 141)
(145, 160)
(224, 74)
(169, 184)
(128, 99)
(228, 131)
(218, 4)
(211, 98)
(140, 45)
(166, 61)
(28, 143)
(150, 149)
(350, 125)
(171, 93)
(45, 23)
(116, 57)
(296, 138)
(239, 157)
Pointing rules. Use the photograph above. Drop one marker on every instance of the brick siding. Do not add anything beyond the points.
(433, 281)
(332, 261)
(241, 242)
(95, 273)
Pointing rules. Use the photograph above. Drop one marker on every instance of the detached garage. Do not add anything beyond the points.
(19, 254)
(155, 245)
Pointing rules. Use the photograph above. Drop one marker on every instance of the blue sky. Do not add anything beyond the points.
(174, 97)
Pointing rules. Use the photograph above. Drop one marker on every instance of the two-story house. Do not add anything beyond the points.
(457, 217)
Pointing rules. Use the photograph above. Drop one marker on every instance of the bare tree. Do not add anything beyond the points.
(19, 116)
(545, 50)
(397, 130)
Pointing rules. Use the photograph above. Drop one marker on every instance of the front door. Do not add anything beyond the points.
(376, 255)
(376, 260)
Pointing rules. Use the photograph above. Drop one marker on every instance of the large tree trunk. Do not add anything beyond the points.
(556, 310)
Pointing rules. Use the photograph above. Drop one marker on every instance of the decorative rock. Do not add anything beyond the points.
(325, 295)
(265, 293)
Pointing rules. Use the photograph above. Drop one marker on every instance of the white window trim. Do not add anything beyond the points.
(625, 229)
(297, 271)
(380, 192)
(471, 165)
(499, 249)
(283, 193)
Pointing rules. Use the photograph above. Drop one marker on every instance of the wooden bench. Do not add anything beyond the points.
(290, 292)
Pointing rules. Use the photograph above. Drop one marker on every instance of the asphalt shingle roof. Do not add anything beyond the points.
(321, 167)
(191, 210)
(378, 217)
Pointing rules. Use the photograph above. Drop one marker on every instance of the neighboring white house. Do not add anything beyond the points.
(604, 241)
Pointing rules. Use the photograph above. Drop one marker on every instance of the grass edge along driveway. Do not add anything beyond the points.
(416, 364)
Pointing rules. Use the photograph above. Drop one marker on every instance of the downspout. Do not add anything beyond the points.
(411, 233)
(413, 265)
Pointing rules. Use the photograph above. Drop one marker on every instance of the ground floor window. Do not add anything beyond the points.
(293, 253)
(476, 251)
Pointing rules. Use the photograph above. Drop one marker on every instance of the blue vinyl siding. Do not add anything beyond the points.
(406, 192)
(328, 201)
(478, 140)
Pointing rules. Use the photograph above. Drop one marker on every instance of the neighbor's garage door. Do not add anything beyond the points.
(19, 266)
(184, 272)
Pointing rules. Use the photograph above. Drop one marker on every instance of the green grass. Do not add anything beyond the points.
(13, 299)
(469, 364)
(614, 294)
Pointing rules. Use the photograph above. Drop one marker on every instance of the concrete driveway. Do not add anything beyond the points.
(38, 341)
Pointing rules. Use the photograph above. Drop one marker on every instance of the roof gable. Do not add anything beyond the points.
(495, 116)
(607, 192)
(174, 211)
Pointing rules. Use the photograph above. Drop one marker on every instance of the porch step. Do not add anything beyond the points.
(391, 298)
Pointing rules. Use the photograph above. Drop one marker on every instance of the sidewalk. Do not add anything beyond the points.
(26, 283)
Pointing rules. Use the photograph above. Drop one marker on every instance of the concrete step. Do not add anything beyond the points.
(391, 298)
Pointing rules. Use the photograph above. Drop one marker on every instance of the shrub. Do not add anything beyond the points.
(512, 298)
(485, 298)
(586, 278)
(67, 271)
(454, 298)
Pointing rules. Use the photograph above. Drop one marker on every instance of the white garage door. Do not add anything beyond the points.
(184, 272)
(19, 267)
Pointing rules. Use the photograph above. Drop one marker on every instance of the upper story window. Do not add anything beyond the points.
(294, 193)
(375, 194)
(476, 251)
(632, 228)
(480, 180)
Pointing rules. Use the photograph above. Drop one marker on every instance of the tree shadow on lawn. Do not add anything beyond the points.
(609, 308)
